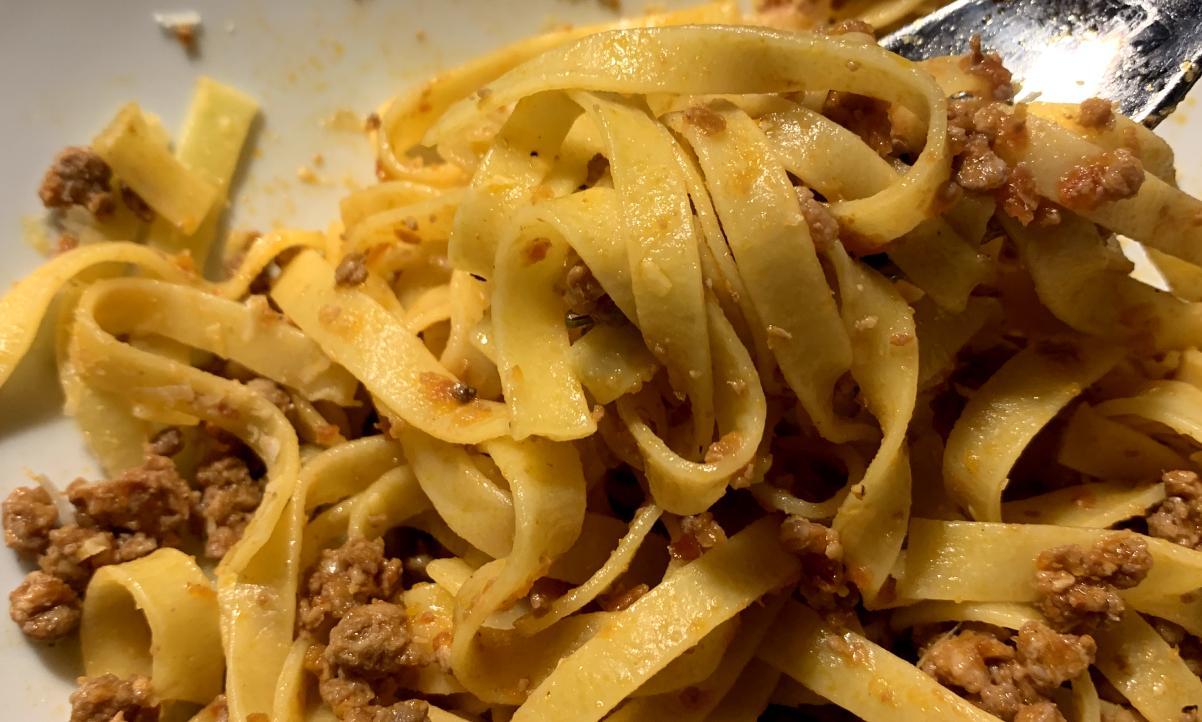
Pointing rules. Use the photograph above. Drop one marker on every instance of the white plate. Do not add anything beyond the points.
(66, 66)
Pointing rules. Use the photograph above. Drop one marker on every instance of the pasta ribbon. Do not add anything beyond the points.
(131, 626)
(1006, 413)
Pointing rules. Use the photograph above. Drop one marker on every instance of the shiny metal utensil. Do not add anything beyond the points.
(1142, 54)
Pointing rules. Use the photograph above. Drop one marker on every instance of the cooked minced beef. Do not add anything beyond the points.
(1078, 587)
(351, 575)
(109, 698)
(1012, 678)
(1179, 516)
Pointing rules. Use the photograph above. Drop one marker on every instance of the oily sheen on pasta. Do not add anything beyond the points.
(689, 368)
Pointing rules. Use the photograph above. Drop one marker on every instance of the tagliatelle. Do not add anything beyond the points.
(679, 369)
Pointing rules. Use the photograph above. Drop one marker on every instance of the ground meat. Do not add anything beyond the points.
(705, 120)
(29, 515)
(866, 117)
(411, 710)
(109, 698)
(45, 607)
(1040, 712)
(597, 167)
(824, 227)
(1078, 587)
(1004, 125)
(1096, 113)
(354, 700)
(1012, 679)
(229, 499)
(78, 177)
(698, 534)
(980, 169)
(989, 66)
(1178, 518)
(356, 671)
(168, 442)
(1018, 197)
(1113, 175)
(352, 271)
(353, 574)
(76, 552)
(152, 499)
(136, 205)
(823, 576)
(371, 641)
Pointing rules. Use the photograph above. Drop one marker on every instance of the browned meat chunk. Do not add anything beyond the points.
(78, 177)
(371, 641)
(344, 578)
(1079, 587)
(356, 671)
(697, 535)
(229, 499)
(151, 499)
(352, 271)
(980, 169)
(866, 117)
(29, 515)
(1040, 712)
(1095, 113)
(989, 66)
(1179, 516)
(1012, 679)
(109, 698)
(823, 576)
(1018, 197)
(45, 607)
(1113, 175)
(168, 442)
(705, 120)
(76, 552)
(824, 227)
(136, 205)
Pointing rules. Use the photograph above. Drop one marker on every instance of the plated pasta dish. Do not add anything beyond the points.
(696, 367)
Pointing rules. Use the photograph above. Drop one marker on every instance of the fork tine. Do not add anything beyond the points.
(1142, 54)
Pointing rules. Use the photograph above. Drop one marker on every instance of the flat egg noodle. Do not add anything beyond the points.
(1008, 410)
(776, 259)
(738, 59)
(392, 362)
(872, 519)
(636, 643)
(129, 626)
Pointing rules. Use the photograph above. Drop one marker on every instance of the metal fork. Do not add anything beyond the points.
(1142, 54)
